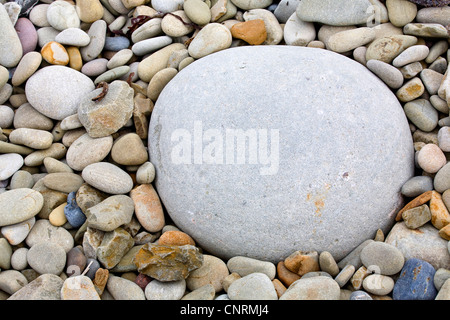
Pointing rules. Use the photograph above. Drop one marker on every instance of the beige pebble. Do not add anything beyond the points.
(57, 217)
(431, 158)
(159, 81)
(63, 181)
(52, 165)
(36, 158)
(173, 27)
(411, 90)
(148, 208)
(129, 150)
(351, 39)
(145, 173)
(401, 12)
(33, 138)
(29, 63)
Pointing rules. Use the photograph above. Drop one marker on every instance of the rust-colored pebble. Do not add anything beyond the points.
(175, 238)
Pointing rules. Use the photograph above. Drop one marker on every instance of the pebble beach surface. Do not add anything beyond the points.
(80, 218)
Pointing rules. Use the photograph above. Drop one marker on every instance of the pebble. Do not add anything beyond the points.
(21, 179)
(360, 295)
(444, 138)
(158, 290)
(344, 275)
(10, 163)
(440, 216)
(63, 83)
(27, 35)
(167, 5)
(19, 205)
(296, 32)
(47, 257)
(148, 208)
(378, 284)
(350, 39)
(113, 247)
(213, 271)
(150, 29)
(245, 266)
(57, 217)
(423, 243)
(211, 38)
(415, 281)
(387, 48)
(328, 264)
(12, 281)
(159, 81)
(110, 213)
(325, 12)
(440, 277)
(429, 30)
(5, 254)
(28, 117)
(63, 181)
(253, 31)
(315, 288)
(38, 15)
(11, 49)
(79, 288)
(431, 80)
(89, 11)
(44, 287)
(87, 150)
(44, 232)
(410, 55)
(107, 116)
(19, 259)
(88, 196)
(273, 27)
(107, 177)
(158, 60)
(203, 293)
(254, 286)
(62, 15)
(411, 90)
(401, 12)
(386, 72)
(145, 173)
(116, 43)
(434, 15)
(168, 263)
(302, 262)
(417, 217)
(27, 66)
(18, 232)
(197, 11)
(120, 58)
(73, 37)
(285, 9)
(33, 138)
(73, 212)
(444, 292)
(386, 258)
(123, 289)
(436, 50)
(97, 33)
(431, 158)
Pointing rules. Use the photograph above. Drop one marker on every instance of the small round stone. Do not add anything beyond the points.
(212, 271)
(47, 257)
(255, 286)
(360, 295)
(382, 257)
(171, 290)
(417, 185)
(431, 158)
(19, 259)
(378, 284)
(145, 173)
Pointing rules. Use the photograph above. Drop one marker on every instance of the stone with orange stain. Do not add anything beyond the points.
(168, 263)
(79, 288)
(279, 287)
(100, 280)
(417, 201)
(440, 216)
(302, 262)
(286, 276)
(358, 277)
(75, 60)
(148, 208)
(253, 31)
(445, 232)
(175, 238)
(55, 53)
(411, 90)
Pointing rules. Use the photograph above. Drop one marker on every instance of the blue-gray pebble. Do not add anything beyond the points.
(360, 295)
(116, 43)
(73, 212)
(415, 281)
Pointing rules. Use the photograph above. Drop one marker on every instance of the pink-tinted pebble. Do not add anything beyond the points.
(27, 34)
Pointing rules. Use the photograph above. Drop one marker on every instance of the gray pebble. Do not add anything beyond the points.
(345, 275)
(245, 266)
(382, 258)
(316, 288)
(19, 259)
(47, 257)
(44, 287)
(5, 254)
(360, 295)
(255, 286)
(353, 257)
(440, 277)
(171, 290)
(124, 289)
(12, 281)
(422, 114)
(386, 72)
(417, 185)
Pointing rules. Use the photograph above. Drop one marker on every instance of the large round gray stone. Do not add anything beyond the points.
(332, 150)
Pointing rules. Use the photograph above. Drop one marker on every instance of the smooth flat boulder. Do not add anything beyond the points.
(261, 157)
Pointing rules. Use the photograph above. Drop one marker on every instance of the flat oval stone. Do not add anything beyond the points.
(107, 177)
(18, 205)
(47, 257)
(213, 193)
(63, 91)
(10, 163)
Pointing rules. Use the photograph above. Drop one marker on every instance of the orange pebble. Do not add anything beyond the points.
(286, 276)
(176, 238)
(55, 53)
(253, 31)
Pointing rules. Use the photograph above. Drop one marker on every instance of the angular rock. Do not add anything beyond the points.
(107, 116)
(168, 263)
(115, 244)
